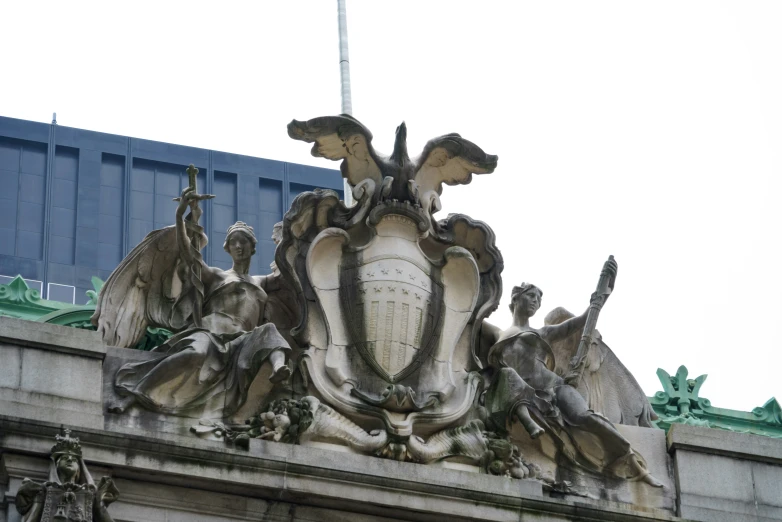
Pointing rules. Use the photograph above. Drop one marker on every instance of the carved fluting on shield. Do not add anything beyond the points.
(393, 309)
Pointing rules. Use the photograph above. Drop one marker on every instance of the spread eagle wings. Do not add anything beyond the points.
(144, 290)
(341, 138)
(452, 160)
(449, 159)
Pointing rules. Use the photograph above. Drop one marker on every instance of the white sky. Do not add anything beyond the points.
(646, 130)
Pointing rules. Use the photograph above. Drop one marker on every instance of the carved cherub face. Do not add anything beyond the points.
(68, 468)
(240, 246)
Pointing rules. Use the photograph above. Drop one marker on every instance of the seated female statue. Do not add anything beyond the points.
(222, 338)
(524, 388)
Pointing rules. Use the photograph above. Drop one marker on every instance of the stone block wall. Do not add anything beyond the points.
(51, 373)
(725, 476)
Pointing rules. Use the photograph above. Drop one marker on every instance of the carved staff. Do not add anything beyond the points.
(605, 286)
(195, 242)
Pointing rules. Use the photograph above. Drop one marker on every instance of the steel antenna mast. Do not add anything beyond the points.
(344, 73)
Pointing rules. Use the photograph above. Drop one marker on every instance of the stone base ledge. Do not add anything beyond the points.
(725, 443)
(726, 476)
(309, 478)
(64, 339)
(50, 408)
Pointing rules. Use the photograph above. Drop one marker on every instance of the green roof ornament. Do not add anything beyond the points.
(97, 284)
(680, 394)
(680, 403)
(19, 301)
(22, 302)
(771, 412)
(18, 292)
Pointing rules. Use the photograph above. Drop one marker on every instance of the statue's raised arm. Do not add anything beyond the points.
(190, 243)
(154, 285)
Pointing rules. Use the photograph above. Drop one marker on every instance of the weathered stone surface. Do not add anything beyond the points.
(725, 476)
(74, 378)
(651, 444)
(50, 372)
(306, 480)
(33, 405)
(170, 477)
(52, 337)
(11, 376)
(767, 479)
(727, 443)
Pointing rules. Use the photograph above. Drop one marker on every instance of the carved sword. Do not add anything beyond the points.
(195, 242)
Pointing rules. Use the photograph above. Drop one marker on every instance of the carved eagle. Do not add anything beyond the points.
(449, 159)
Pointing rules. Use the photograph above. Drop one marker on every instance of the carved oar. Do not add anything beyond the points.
(605, 286)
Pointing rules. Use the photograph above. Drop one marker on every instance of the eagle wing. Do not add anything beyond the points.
(341, 138)
(452, 160)
(143, 291)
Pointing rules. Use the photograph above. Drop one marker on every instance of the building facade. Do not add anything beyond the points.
(311, 416)
(74, 202)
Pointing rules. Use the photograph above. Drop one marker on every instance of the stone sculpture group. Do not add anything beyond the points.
(371, 332)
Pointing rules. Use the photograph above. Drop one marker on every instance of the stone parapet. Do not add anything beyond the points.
(725, 476)
(51, 373)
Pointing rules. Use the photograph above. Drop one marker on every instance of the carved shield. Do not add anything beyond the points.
(393, 309)
(67, 505)
(390, 312)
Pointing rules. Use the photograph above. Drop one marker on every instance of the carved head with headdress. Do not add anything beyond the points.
(530, 294)
(67, 463)
(277, 238)
(277, 233)
(240, 227)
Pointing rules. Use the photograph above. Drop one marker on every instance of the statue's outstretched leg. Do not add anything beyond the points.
(575, 408)
(533, 428)
(280, 370)
(648, 477)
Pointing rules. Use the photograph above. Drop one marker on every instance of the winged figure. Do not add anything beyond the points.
(524, 387)
(607, 385)
(449, 159)
(219, 317)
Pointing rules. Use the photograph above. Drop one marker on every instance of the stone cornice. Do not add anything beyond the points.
(313, 476)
